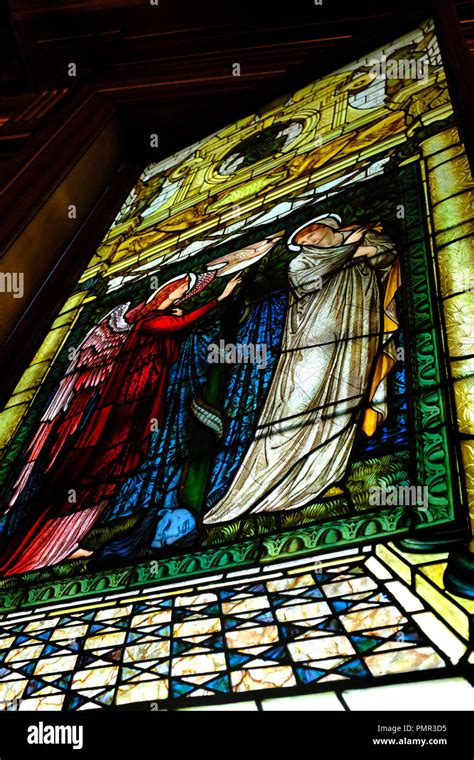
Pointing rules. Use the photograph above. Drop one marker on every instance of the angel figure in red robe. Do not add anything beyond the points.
(120, 371)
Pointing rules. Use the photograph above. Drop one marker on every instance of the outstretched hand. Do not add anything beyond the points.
(230, 287)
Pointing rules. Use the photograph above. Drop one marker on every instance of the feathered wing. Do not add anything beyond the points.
(89, 368)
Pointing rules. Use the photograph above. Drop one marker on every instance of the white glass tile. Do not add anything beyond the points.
(233, 706)
(378, 569)
(440, 694)
(405, 597)
(441, 635)
(324, 701)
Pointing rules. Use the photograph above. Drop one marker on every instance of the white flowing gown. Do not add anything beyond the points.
(333, 336)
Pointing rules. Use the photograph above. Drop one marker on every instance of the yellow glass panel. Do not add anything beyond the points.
(73, 302)
(450, 178)
(51, 344)
(440, 601)
(444, 155)
(435, 572)
(9, 421)
(456, 267)
(459, 318)
(455, 233)
(467, 451)
(464, 398)
(453, 211)
(393, 561)
(32, 376)
(441, 141)
(21, 398)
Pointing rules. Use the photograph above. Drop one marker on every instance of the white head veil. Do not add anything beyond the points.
(330, 220)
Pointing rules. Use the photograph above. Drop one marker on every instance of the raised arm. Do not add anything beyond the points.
(175, 322)
(172, 323)
(378, 248)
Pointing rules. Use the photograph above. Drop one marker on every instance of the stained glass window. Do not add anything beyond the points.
(259, 386)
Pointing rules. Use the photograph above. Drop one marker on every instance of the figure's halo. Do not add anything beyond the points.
(330, 220)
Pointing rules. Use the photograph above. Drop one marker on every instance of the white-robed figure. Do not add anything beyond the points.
(331, 376)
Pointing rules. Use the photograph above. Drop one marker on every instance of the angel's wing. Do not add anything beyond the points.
(234, 261)
(90, 366)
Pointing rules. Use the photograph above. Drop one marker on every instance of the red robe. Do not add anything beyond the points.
(113, 443)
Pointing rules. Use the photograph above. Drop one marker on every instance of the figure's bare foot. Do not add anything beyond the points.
(80, 554)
